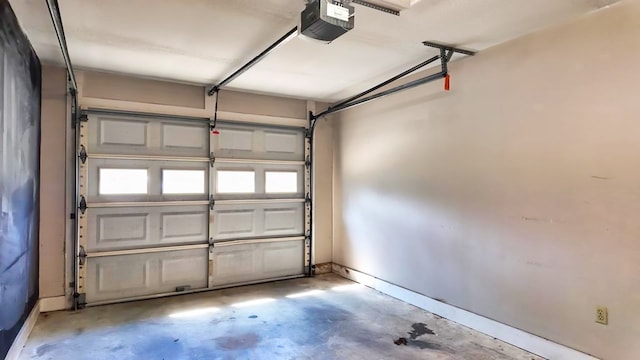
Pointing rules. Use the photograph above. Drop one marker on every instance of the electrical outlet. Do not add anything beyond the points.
(602, 315)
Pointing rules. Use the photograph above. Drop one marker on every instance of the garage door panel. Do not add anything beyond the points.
(123, 228)
(236, 262)
(180, 270)
(253, 262)
(147, 182)
(118, 188)
(188, 138)
(181, 227)
(278, 143)
(240, 221)
(121, 134)
(118, 274)
(114, 132)
(280, 258)
(235, 223)
(235, 140)
(126, 276)
(118, 231)
(258, 142)
(262, 173)
(283, 221)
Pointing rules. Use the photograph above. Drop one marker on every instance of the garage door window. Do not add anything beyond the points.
(183, 182)
(281, 182)
(122, 181)
(236, 182)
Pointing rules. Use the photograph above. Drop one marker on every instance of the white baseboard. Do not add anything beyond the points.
(23, 335)
(524, 340)
(53, 304)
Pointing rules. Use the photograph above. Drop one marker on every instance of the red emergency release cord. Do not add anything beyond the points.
(447, 82)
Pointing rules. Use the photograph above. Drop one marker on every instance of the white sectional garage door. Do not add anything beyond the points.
(168, 206)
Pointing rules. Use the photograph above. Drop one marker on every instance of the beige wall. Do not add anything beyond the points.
(52, 181)
(517, 194)
(127, 93)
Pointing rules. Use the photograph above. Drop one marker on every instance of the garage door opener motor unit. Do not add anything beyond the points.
(326, 20)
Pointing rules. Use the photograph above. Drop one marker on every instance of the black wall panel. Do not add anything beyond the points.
(20, 77)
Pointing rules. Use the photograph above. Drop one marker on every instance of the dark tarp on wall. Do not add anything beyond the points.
(19, 176)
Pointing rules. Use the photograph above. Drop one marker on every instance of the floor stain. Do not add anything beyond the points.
(424, 345)
(159, 347)
(419, 329)
(253, 317)
(239, 342)
(45, 348)
(116, 348)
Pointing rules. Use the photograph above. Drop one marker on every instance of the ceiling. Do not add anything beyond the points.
(202, 41)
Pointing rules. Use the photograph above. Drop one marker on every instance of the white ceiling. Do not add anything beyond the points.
(202, 41)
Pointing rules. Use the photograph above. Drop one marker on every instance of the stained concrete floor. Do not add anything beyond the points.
(326, 317)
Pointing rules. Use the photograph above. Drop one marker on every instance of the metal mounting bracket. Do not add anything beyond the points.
(82, 256)
(448, 48)
(307, 161)
(212, 159)
(212, 202)
(83, 204)
(83, 154)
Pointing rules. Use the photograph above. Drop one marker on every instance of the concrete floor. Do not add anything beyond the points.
(332, 318)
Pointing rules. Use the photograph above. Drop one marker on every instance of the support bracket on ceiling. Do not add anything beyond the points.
(448, 48)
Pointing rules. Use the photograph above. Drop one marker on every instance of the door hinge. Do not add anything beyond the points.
(83, 204)
(212, 159)
(307, 161)
(82, 255)
(83, 154)
(212, 202)
(307, 198)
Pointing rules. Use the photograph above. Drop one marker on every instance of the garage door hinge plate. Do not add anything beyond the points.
(83, 118)
(307, 161)
(82, 256)
(212, 159)
(307, 133)
(83, 204)
(83, 154)
(212, 202)
(307, 198)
